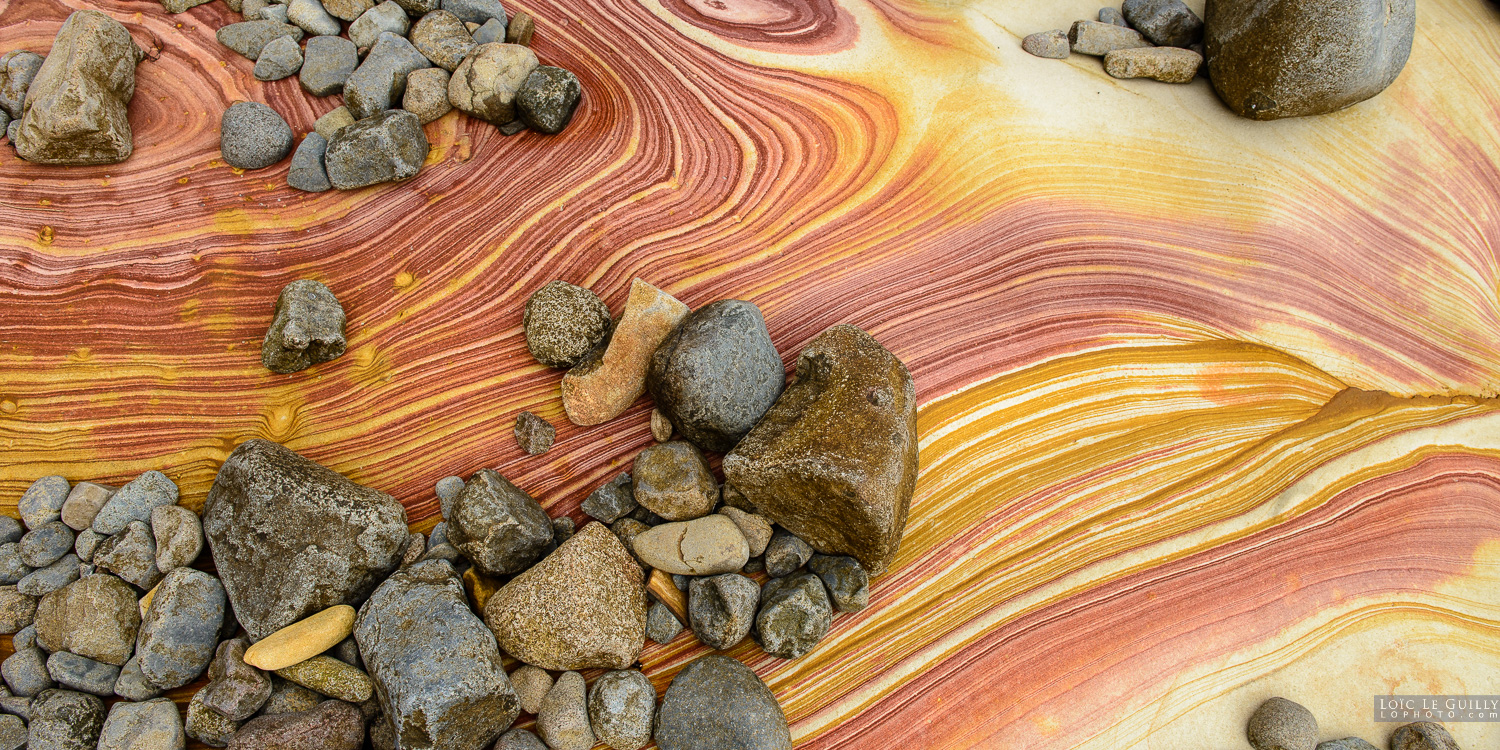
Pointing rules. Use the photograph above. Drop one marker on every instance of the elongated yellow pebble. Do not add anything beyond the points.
(302, 640)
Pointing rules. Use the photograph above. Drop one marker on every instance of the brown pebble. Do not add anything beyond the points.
(661, 427)
(330, 677)
(1165, 64)
(1052, 45)
(480, 588)
(333, 725)
(520, 29)
(1099, 39)
(534, 434)
(302, 640)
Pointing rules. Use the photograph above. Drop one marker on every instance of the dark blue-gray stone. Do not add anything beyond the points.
(131, 555)
(46, 544)
(43, 500)
(136, 500)
(82, 674)
(717, 702)
(794, 615)
(785, 553)
(25, 672)
(307, 172)
(380, 81)
(477, 11)
(846, 580)
(181, 628)
(12, 570)
(611, 501)
(51, 578)
(721, 609)
(327, 62)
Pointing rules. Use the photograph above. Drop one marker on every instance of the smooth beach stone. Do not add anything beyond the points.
(180, 629)
(717, 702)
(497, 525)
(327, 62)
(251, 136)
(307, 172)
(703, 546)
(1112, 15)
(441, 37)
(179, 536)
(1422, 735)
(1048, 44)
(347, 10)
(436, 665)
(332, 725)
(1168, 23)
(1280, 724)
(131, 555)
(330, 677)
(26, 673)
(834, 461)
(250, 37)
(757, 529)
(476, 11)
(235, 688)
(83, 674)
(45, 544)
(531, 685)
(311, 17)
(307, 328)
(520, 29)
(385, 17)
(1165, 64)
(519, 739)
(292, 538)
(661, 625)
(75, 108)
(65, 720)
(280, 58)
(1347, 743)
(43, 500)
(379, 82)
(563, 720)
(1099, 39)
(674, 481)
(332, 122)
(18, 68)
(46, 580)
(846, 580)
(13, 734)
(10, 530)
(427, 94)
(490, 32)
(95, 616)
(388, 147)
(622, 705)
(614, 499)
(447, 490)
(83, 504)
(132, 685)
(12, 570)
(152, 725)
(303, 639)
(794, 615)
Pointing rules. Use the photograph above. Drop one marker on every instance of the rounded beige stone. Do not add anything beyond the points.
(302, 640)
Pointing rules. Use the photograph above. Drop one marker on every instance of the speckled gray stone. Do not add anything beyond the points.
(721, 609)
(416, 548)
(563, 720)
(476, 11)
(311, 17)
(531, 685)
(17, 610)
(83, 674)
(490, 32)
(447, 490)
(1347, 743)
(25, 672)
(327, 62)
(181, 628)
(332, 678)
(534, 434)
(438, 535)
(563, 322)
(436, 667)
(307, 172)
(1167, 23)
(132, 685)
(249, 37)
(65, 720)
(280, 58)
(1280, 724)
(497, 525)
(18, 68)
(12, 570)
(307, 328)
(10, 530)
(794, 615)
(235, 688)
(380, 81)
(46, 580)
(562, 529)
(846, 580)
(387, 147)
(86, 544)
(622, 705)
(347, 10)
(1422, 735)
(548, 98)
(84, 503)
(207, 725)
(385, 17)
(661, 625)
(786, 553)
(288, 697)
(442, 38)
(1094, 38)
(152, 725)
(519, 739)
(13, 732)
(43, 500)
(1050, 45)
(178, 534)
(95, 616)
(24, 638)
(292, 538)
(16, 705)
(718, 702)
(131, 555)
(45, 544)
(251, 136)
(1113, 16)
(611, 501)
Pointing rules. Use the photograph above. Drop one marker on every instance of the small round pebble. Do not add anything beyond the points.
(152, 725)
(1052, 45)
(534, 434)
(563, 322)
(786, 553)
(531, 685)
(87, 543)
(661, 625)
(447, 490)
(1422, 735)
(674, 481)
(43, 500)
(622, 704)
(1280, 724)
(26, 673)
(288, 697)
(132, 685)
(519, 739)
(563, 720)
(279, 59)
(46, 544)
(847, 582)
(757, 529)
(721, 609)
(794, 615)
(548, 98)
(253, 136)
(562, 529)
(82, 674)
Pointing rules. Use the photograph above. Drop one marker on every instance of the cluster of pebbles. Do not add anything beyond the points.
(398, 66)
(328, 623)
(1280, 724)
(1156, 39)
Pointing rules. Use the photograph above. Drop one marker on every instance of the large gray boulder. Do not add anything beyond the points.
(436, 666)
(75, 110)
(292, 538)
(1292, 58)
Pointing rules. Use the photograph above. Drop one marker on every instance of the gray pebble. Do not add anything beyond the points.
(1052, 45)
(132, 685)
(25, 672)
(754, 565)
(1167, 23)
(87, 543)
(131, 555)
(43, 500)
(562, 529)
(136, 500)
(627, 529)
(444, 551)
(12, 570)
(611, 501)
(534, 434)
(179, 537)
(682, 582)
(10, 530)
(207, 725)
(786, 553)
(385, 17)
(251, 136)
(388, 147)
(491, 31)
(307, 173)
(65, 720)
(82, 674)
(281, 58)
(418, 8)
(794, 615)
(306, 329)
(327, 62)
(13, 733)
(477, 11)
(442, 38)
(379, 82)
(84, 503)
(719, 702)
(1347, 743)
(1280, 724)
(1099, 39)
(563, 720)
(661, 625)
(519, 739)
(276, 12)
(24, 638)
(16, 705)
(17, 610)
(235, 688)
(447, 490)
(756, 528)
(347, 652)
(1112, 16)
(46, 580)
(438, 535)
(249, 37)
(181, 628)
(846, 580)
(45, 544)
(622, 704)
(1422, 735)
(153, 725)
(416, 548)
(310, 16)
(288, 697)
(497, 525)
(721, 609)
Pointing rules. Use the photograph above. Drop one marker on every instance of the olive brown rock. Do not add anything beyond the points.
(721, 609)
(441, 37)
(499, 527)
(794, 615)
(151, 725)
(436, 667)
(327, 62)
(485, 84)
(846, 580)
(75, 108)
(583, 606)
(1422, 735)
(131, 555)
(717, 373)
(207, 725)
(563, 719)
(835, 460)
(547, 99)
(611, 501)
(608, 381)
(563, 322)
(179, 536)
(427, 94)
(1280, 724)
(235, 688)
(292, 538)
(1305, 57)
(717, 702)
(95, 616)
(65, 720)
(181, 628)
(307, 328)
(332, 725)
(1165, 64)
(534, 434)
(674, 481)
(331, 677)
(1099, 39)
(388, 147)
